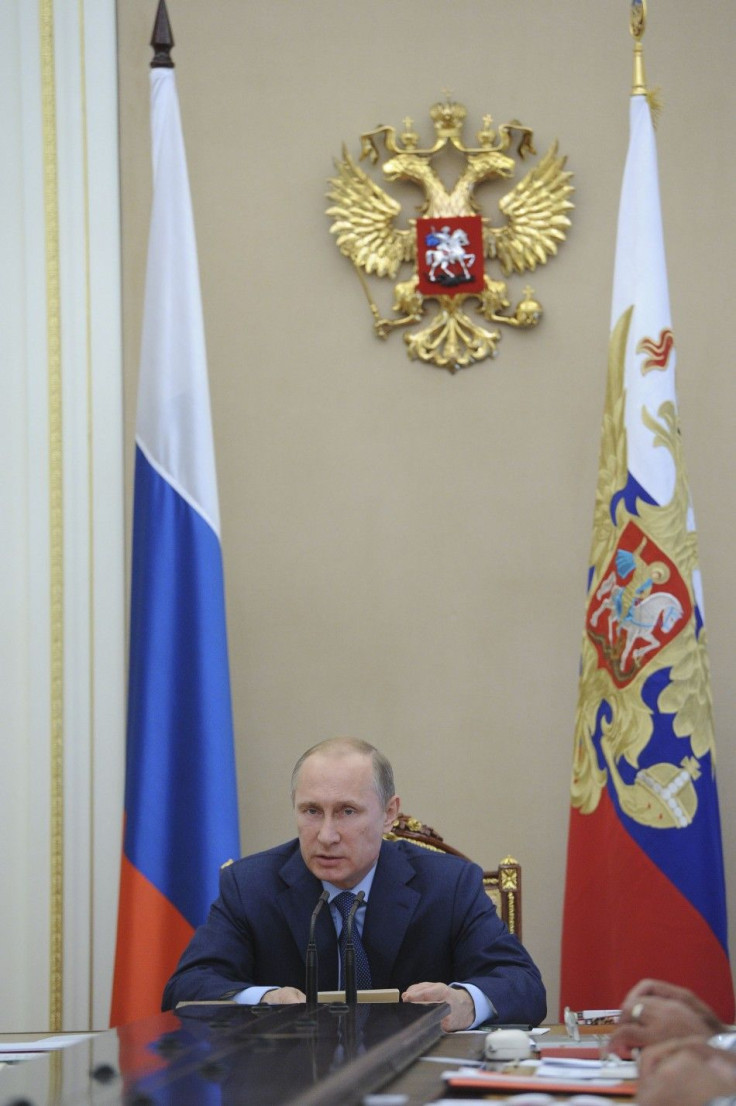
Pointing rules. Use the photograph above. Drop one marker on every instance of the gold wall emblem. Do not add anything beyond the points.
(449, 240)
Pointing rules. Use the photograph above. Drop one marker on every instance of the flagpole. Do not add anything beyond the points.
(180, 818)
(645, 892)
(637, 26)
(162, 39)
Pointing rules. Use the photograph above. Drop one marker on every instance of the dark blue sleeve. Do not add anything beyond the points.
(493, 959)
(219, 959)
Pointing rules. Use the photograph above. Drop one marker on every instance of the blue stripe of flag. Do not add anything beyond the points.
(181, 793)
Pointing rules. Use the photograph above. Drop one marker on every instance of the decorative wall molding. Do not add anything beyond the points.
(61, 524)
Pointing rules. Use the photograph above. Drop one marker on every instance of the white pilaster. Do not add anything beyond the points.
(61, 652)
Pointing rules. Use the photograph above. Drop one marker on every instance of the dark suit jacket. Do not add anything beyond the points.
(427, 918)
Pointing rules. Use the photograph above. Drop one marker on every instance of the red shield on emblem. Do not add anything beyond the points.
(450, 255)
(640, 605)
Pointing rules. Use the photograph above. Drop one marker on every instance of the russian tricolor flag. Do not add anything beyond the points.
(181, 818)
(645, 893)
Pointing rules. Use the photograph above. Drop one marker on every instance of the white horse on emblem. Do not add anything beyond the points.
(640, 621)
(447, 248)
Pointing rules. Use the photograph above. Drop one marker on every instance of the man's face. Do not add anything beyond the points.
(339, 816)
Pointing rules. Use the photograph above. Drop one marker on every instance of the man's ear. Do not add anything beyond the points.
(392, 811)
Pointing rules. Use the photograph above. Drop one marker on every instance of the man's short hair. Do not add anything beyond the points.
(383, 773)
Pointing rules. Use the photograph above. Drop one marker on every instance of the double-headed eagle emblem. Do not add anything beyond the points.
(449, 240)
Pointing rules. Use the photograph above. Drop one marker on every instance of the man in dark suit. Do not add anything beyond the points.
(426, 925)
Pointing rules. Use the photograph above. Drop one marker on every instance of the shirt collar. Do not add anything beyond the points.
(364, 885)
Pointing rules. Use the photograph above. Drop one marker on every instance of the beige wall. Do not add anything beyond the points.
(406, 550)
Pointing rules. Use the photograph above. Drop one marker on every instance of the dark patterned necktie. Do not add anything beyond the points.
(343, 902)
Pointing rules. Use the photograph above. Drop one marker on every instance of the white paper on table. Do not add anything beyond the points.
(14, 1049)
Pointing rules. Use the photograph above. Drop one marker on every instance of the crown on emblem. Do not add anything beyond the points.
(448, 118)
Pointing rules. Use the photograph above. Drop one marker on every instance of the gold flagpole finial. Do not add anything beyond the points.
(637, 26)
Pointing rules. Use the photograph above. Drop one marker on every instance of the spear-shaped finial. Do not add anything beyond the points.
(162, 39)
(637, 26)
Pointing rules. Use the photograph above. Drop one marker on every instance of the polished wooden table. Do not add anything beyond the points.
(222, 1054)
(422, 1082)
(229, 1055)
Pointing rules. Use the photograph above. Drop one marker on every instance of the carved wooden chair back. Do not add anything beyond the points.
(502, 884)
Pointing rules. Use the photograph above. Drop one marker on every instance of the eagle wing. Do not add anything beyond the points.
(364, 221)
(536, 211)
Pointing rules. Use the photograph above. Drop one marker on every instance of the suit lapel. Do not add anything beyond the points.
(297, 901)
(391, 907)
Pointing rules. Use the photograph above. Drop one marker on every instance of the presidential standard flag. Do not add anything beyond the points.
(645, 892)
(181, 820)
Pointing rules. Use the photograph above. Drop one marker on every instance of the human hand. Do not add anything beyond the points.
(462, 1007)
(661, 989)
(655, 1011)
(685, 1072)
(283, 996)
